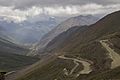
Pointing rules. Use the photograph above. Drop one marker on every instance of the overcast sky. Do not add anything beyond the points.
(21, 9)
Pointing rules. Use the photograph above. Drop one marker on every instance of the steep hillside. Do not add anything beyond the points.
(3, 34)
(74, 21)
(7, 44)
(81, 53)
(27, 32)
(9, 47)
(84, 35)
(9, 58)
(114, 47)
(12, 62)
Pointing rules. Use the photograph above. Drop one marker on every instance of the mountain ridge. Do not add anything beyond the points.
(65, 25)
(83, 43)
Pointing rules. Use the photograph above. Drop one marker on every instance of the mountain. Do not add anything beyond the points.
(10, 62)
(7, 46)
(86, 43)
(82, 35)
(3, 35)
(12, 55)
(27, 32)
(74, 21)
(85, 53)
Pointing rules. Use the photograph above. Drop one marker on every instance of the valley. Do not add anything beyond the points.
(80, 53)
(60, 40)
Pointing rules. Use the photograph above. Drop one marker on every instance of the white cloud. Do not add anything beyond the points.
(81, 10)
(18, 15)
(21, 15)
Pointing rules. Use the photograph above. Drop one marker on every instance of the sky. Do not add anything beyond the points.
(20, 10)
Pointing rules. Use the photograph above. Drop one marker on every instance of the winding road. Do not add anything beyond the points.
(87, 69)
(10, 73)
(113, 55)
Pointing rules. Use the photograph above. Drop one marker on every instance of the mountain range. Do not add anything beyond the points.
(7, 46)
(15, 37)
(12, 56)
(65, 25)
(27, 32)
(83, 52)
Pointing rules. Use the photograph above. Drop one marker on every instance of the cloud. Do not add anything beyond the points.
(69, 10)
(18, 15)
(22, 4)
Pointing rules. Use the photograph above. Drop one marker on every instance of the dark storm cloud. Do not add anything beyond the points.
(30, 3)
